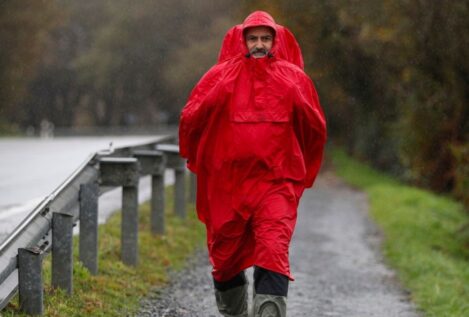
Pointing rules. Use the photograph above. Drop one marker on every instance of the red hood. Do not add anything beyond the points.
(285, 45)
(259, 18)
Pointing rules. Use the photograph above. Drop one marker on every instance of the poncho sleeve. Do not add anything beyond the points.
(196, 114)
(310, 127)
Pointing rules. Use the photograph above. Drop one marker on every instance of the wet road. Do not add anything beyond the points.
(335, 259)
(31, 168)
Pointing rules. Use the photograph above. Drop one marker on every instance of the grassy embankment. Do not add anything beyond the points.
(426, 238)
(117, 289)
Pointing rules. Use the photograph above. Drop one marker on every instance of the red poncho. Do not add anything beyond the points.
(253, 132)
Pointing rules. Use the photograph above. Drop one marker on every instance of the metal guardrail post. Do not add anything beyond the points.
(30, 286)
(154, 163)
(180, 191)
(193, 188)
(129, 226)
(179, 165)
(158, 225)
(124, 172)
(62, 251)
(88, 247)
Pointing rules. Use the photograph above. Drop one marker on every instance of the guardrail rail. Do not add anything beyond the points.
(49, 227)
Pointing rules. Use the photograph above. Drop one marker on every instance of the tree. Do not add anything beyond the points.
(24, 26)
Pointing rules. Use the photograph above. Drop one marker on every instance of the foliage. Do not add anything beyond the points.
(23, 36)
(424, 238)
(109, 63)
(434, 112)
(118, 289)
(461, 188)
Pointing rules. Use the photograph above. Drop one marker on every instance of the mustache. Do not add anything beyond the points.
(258, 50)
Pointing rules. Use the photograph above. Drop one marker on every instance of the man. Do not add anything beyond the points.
(253, 132)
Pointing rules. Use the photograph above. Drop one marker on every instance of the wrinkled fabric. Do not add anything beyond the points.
(253, 131)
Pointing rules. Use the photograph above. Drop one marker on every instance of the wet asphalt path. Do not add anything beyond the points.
(334, 257)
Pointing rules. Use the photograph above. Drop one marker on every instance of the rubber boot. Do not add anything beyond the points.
(233, 302)
(269, 306)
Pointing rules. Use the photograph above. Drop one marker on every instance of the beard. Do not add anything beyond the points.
(258, 52)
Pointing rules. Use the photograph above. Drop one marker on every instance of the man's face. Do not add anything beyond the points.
(259, 40)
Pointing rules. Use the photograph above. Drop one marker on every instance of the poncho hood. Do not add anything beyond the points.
(285, 45)
(259, 18)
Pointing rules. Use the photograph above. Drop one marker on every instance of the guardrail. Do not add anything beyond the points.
(49, 226)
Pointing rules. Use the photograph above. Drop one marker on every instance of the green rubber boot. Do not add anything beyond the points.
(269, 306)
(233, 302)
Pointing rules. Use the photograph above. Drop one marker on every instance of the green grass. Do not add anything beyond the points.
(426, 237)
(117, 289)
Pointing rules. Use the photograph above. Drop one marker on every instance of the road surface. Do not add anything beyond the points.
(335, 259)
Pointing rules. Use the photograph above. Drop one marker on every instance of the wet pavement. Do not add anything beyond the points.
(335, 259)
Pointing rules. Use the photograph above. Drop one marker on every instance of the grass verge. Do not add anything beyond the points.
(426, 238)
(118, 289)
